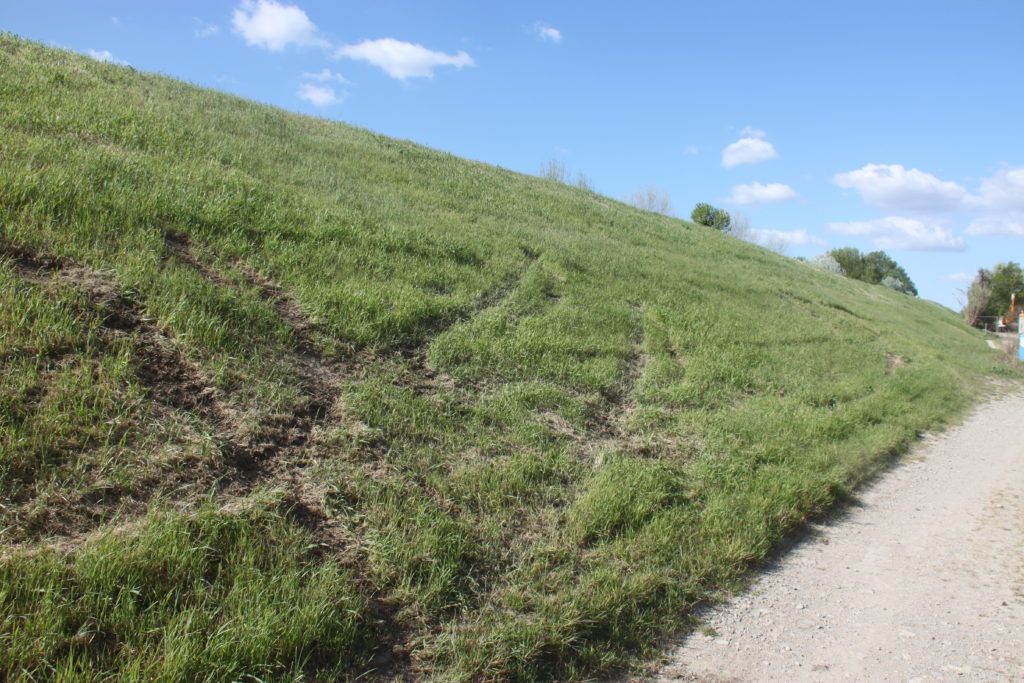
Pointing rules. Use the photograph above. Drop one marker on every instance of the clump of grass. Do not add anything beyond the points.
(623, 495)
(187, 594)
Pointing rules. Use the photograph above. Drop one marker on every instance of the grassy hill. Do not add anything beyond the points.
(283, 397)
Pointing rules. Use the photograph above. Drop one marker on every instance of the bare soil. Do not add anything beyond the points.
(921, 580)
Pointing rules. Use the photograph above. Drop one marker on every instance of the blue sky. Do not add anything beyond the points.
(891, 125)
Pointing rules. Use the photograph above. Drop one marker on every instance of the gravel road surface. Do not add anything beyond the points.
(921, 580)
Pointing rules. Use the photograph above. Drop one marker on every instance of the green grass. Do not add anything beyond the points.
(205, 595)
(282, 397)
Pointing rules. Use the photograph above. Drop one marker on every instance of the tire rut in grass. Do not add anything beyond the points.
(170, 380)
(279, 456)
(174, 382)
(607, 426)
(415, 350)
(284, 459)
(276, 457)
(285, 445)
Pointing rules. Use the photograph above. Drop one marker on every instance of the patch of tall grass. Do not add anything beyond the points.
(200, 594)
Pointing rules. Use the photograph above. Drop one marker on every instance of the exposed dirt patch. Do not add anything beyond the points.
(29, 265)
(893, 361)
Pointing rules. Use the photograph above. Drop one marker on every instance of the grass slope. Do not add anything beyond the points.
(283, 397)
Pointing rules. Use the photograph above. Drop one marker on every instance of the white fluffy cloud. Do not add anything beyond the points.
(547, 33)
(1002, 191)
(897, 232)
(750, 149)
(271, 25)
(893, 187)
(403, 60)
(319, 95)
(1010, 225)
(998, 203)
(756, 193)
(105, 56)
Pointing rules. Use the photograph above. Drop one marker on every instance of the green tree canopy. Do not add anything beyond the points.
(876, 268)
(711, 216)
(1004, 280)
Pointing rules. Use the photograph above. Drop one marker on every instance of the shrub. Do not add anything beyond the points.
(713, 217)
(895, 283)
(554, 170)
(826, 262)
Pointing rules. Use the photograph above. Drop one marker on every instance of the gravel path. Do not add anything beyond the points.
(923, 580)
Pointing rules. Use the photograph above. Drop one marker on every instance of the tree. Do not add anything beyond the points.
(875, 268)
(879, 269)
(650, 198)
(713, 217)
(851, 262)
(978, 295)
(1004, 280)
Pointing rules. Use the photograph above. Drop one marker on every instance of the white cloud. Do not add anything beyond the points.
(897, 232)
(787, 237)
(893, 187)
(1010, 225)
(105, 56)
(748, 150)
(403, 60)
(204, 30)
(756, 193)
(547, 33)
(325, 75)
(691, 149)
(319, 95)
(271, 25)
(959, 277)
(1002, 191)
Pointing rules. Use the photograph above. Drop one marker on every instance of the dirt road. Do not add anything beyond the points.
(923, 580)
